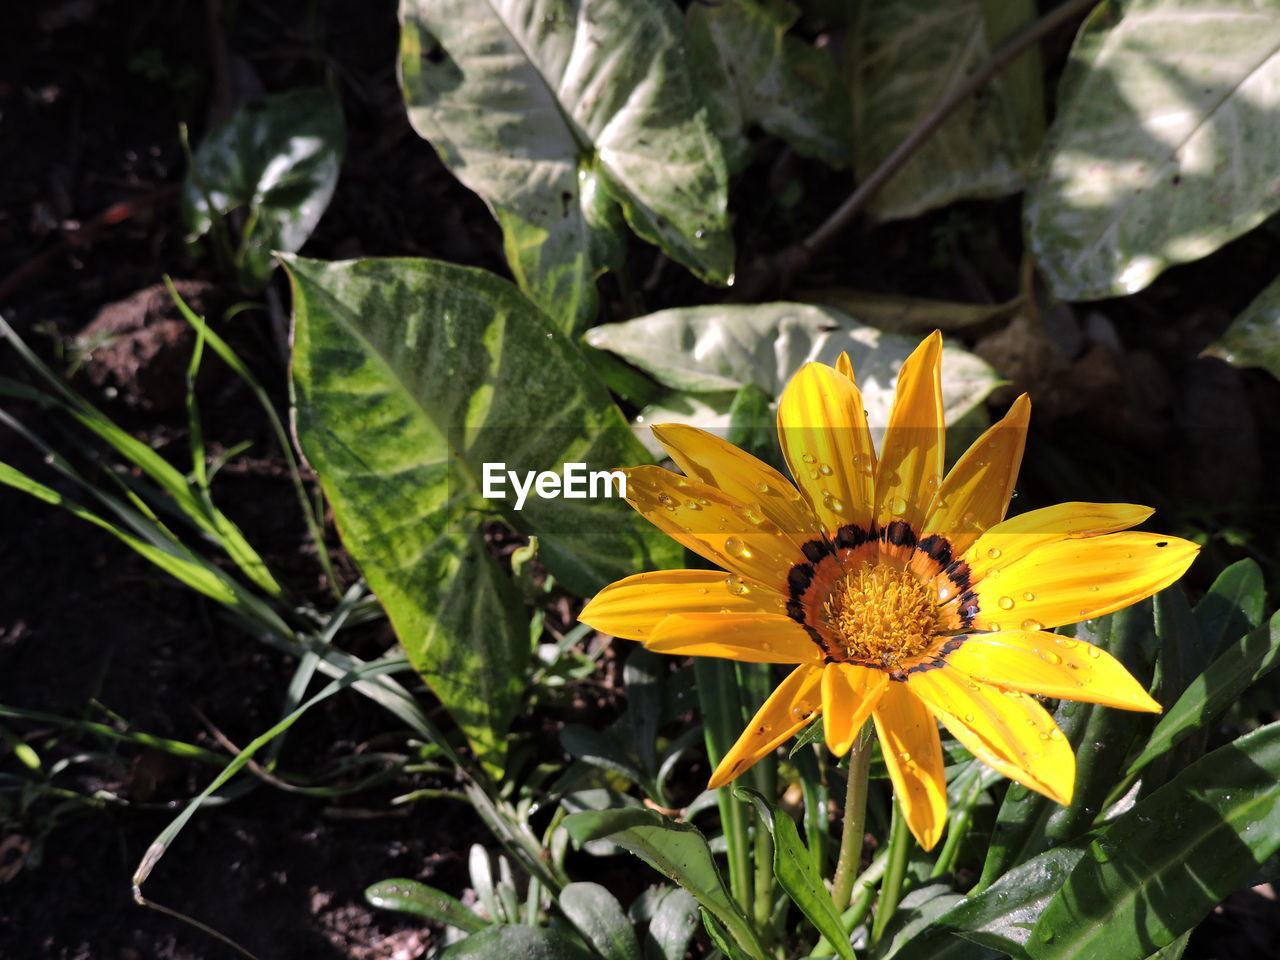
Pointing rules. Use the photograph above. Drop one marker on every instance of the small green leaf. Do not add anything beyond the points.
(1161, 867)
(906, 55)
(1253, 339)
(509, 941)
(1211, 693)
(278, 159)
(1163, 147)
(795, 872)
(410, 896)
(599, 918)
(677, 850)
(672, 925)
(916, 932)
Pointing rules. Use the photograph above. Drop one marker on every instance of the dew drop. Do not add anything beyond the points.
(1028, 595)
(944, 594)
(994, 553)
(762, 487)
(808, 458)
(824, 469)
(1032, 625)
(702, 589)
(1093, 652)
(813, 474)
(1050, 657)
(904, 756)
(693, 505)
(1065, 642)
(968, 718)
(736, 586)
(1006, 603)
(1094, 588)
(899, 506)
(667, 501)
(736, 548)
(704, 501)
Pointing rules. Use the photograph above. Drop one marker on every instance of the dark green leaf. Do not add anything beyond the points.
(916, 931)
(1253, 339)
(1182, 653)
(1211, 693)
(752, 426)
(642, 678)
(795, 872)
(410, 896)
(1232, 607)
(1161, 867)
(1003, 915)
(277, 159)
(599, 918)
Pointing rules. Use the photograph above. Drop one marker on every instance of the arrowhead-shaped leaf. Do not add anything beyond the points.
(552, 111)
(409, 376)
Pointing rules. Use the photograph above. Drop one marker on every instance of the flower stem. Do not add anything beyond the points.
(891, 885)
(855, 815)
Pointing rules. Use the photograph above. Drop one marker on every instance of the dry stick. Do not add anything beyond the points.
(785, 264)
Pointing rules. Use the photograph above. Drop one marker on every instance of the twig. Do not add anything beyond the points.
(778, 270)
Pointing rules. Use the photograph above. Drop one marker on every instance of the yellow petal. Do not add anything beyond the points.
(910, 466)
(1073, 580)
(789, 708)
(849, 694)
(632, 607)
(1016, 537)
(705, 457)
(1051, 666)
(713, 524)
(749, 638)
(975, 494)
(913, 753)
(823, 431)
(844, 365)
(1006, 730)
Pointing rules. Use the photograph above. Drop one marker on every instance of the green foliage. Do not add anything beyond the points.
(276, 163)
(1162, 147)
(561, 116)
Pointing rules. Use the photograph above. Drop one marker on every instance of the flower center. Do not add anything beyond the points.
(879, 614)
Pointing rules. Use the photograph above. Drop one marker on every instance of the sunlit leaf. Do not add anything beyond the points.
(277, 160)
(726, 347)
(1161, 867)
(906, 55)
(1164, 146)
(410, 896)
(557, 113)
(677, 850)
(409, 376)
(758, 74)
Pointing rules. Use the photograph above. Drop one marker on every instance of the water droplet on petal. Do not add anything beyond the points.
(736, 548)
(824, 469)
(1028, 595)
(1050, 657)
(1093, 652)
(667, 501)
(693, 505)
(994, 553)
(762, 487)
(1006, 603)
(808, 458)
(1032, 625)
(736, 586)
(898, 506)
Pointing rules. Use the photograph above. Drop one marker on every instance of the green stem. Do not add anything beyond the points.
(855, 819)
(891, 886)
(718, 696)
(959, 824)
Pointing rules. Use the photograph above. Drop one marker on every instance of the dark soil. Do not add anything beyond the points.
(91, 96)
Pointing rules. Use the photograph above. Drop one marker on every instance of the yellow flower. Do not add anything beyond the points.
(901, 596)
